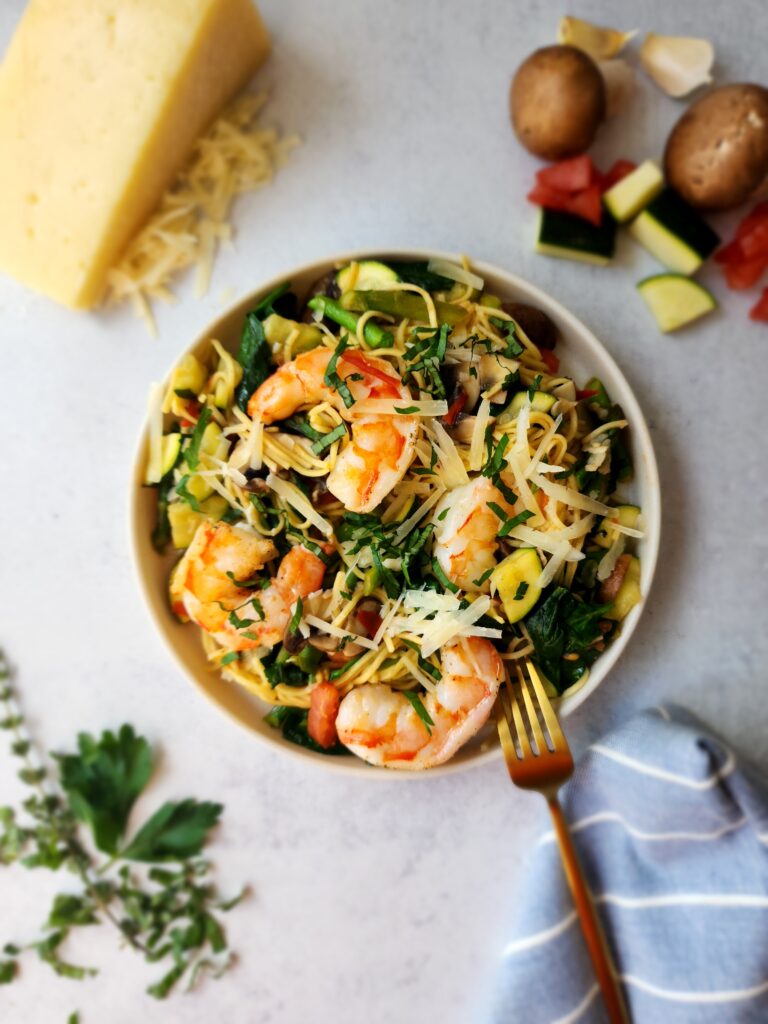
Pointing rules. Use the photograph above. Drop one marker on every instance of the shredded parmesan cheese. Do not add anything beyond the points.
(454, 273)
(478, 435)
(400, 407)
(341, 634)
(235, 156)
(405, 528)
(290, 492)
(450, 466)
(610, 558)
(154, 464)
(554, 565)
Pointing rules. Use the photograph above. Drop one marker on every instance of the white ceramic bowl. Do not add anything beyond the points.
(582, 356)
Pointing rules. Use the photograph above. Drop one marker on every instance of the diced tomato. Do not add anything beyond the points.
(751, 221)
(746, 273)
(369, 620)
(755, 243)
(620, 169)
(585, 394)
(585, 204)
(731, 253)
(550, 360)
(572, 175)
(450, 417)
(549, 198)
(360, 362)
(760, 310)
(588, 205)
(323, 709)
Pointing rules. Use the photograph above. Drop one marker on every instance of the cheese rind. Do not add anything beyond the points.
(101, 102)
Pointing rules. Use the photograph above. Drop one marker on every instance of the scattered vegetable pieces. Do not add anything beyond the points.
(760, 310)
(717, 154)
(600, 43)
(576, 186)
(675, 300)
(557, 102)
(677, 64)
(745, 259)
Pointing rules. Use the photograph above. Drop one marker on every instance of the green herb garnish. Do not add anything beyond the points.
(510, 524)
(418, 707)
(326, 440)
(186, 495)
(440, 575)
(331, 378)
(522, 590)
(167, 913)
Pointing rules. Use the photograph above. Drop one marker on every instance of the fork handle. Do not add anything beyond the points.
(590, 926)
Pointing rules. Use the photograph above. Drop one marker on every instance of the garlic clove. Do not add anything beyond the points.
(600, 43)
(619, 79)
(677, 64)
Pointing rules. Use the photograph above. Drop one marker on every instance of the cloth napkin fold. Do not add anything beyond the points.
(671, 827)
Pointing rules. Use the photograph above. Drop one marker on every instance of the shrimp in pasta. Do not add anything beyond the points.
(207, 586)
(381, 725)
(382, 446)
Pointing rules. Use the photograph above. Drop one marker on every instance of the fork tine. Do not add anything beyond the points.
(533, 718)
(515, 716)
(553, 726)
(507, 742)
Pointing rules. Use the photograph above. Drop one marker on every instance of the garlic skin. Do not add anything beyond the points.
(598, 42)
(677, 64)
(620, 84)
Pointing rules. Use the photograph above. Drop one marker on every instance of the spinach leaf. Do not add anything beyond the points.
(418, 274)
(193, 451)
(562, 624)
(254, 356)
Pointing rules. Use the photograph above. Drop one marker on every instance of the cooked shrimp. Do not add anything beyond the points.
(382, 447)
(381, 725)
(201, 588)
(466, 535)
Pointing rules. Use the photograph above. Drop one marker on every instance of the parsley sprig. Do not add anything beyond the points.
(166, 911)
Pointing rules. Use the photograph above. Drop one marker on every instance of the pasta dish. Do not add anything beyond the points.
(386, 497)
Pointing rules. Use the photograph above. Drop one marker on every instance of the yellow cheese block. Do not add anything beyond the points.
(100, 103)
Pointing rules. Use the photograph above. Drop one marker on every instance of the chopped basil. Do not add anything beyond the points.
(185, 495)
(443, 514)
(293, 625)
(229, 657)
(192, 454)
(534, 386)
(332, 379)
(408, 409)
(486, 575)
(522, 590)
(326, 440)
(493, 467)
(440, 575)
(514, 521)
(421, 711)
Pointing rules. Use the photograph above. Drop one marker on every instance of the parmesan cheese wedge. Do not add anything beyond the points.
(101, 102)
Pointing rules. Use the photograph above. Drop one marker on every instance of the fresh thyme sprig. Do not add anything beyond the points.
(167, 913)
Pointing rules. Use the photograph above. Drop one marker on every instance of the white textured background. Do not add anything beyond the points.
(378, 903)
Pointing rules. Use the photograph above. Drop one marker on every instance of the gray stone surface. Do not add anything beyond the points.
(390, 902)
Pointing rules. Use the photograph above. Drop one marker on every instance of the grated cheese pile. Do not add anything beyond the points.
(234, 156)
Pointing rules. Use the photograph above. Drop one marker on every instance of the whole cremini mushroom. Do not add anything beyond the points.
(557, 101)
(717, 154)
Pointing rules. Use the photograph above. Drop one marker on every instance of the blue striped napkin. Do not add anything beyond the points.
(672, 831)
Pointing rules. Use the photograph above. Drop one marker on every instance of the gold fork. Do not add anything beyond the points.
(545, 765)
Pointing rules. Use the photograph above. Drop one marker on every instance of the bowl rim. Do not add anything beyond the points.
(642, 442)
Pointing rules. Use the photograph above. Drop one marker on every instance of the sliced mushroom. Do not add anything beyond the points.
(537, 326)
